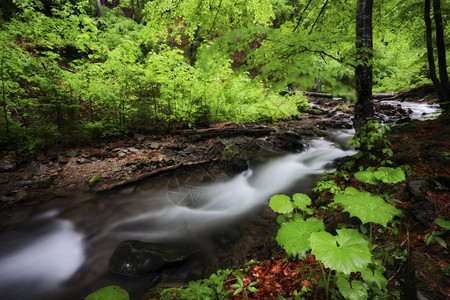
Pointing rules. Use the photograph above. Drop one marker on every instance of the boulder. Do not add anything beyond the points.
(139, 137)
(136, 258)
(36, 168)
(7, 165)
(417, 189)
(234, 159)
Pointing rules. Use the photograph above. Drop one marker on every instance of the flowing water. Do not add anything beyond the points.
(61, 247)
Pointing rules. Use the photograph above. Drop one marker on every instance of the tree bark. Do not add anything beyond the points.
(440, 45)
(98, 6)
(430, 55)
(364, 110)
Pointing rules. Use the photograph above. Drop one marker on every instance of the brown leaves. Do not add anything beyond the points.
(281, 276)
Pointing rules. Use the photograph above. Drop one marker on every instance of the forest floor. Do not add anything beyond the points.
(423, 145)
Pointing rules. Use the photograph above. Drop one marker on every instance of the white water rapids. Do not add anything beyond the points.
(38, 257)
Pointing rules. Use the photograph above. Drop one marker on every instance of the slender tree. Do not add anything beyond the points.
(364, 109)
(440, 45)
(98, 5)
(430, 55)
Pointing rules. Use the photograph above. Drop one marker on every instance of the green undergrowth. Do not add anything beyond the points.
(353, 254)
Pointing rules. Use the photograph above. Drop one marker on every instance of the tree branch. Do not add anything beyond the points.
(300, 17)
(317, 19)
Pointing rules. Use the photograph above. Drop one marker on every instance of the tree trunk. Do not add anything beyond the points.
(431, 65)
(440, 45)
(364, 109)
(132, 10)
(98, 5)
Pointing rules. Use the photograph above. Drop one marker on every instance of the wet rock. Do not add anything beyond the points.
(25, 183)
(136, 258)
(417, 188)
(289, 140)
(190, 150)
(139, 137)
(54, 152)
(7, 165)
(36, 168)
(153, 145)
(41, 157)
(62, 159)
(168, 152)
(133, 150)
(45, 182)
(21, 194)
(403, 120)
(82, 160)
(7, 199)
(71, 153)
(234, 159)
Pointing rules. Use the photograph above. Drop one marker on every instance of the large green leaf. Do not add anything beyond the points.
(367, 207)
(347, 252)
(301, 200)
(281, 204)
(366, 177)
(294, 235)
(374, 278)
(384, 174)
(112, 292)
(356, 291)
(389, 175)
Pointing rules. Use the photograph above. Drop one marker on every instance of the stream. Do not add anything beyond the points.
(62, 250)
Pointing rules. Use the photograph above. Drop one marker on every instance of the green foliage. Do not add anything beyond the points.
(108, 293)
(353, 290)
(241, 287)
(294, 235)
(434, 236)
(94, 179)
(281, 204)
(208, 288)
(366, 206)
(347, 252)
(324, 185)
(374, 147)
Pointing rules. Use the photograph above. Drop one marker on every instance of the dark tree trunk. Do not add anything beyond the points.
(364, 109)
(98, 6)
(132, 10)
(440, 45)
(431, 65)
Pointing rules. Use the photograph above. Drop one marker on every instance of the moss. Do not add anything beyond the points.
(94, 180)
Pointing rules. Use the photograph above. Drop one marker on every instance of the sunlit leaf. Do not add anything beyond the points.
(281, 204)
(294, 235)
(366, 177)
(366, 206)
(389, 175)
(301, 200)
(347, 252)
